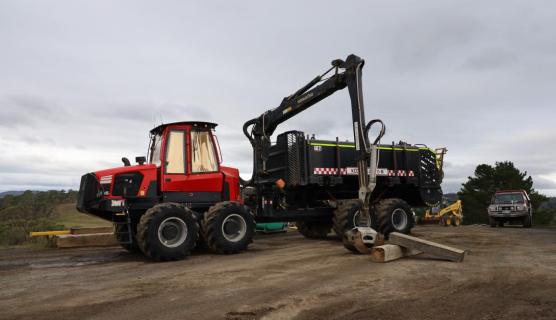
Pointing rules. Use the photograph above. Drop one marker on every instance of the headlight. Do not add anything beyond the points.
(519, 208)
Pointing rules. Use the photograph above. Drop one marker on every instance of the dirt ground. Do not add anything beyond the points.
(508, 273)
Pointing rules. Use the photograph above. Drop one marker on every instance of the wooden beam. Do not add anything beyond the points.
(91, 230)
(434, 249)
(390, 252)
(86, 240)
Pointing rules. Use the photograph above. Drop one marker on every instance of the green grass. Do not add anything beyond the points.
(71, 218)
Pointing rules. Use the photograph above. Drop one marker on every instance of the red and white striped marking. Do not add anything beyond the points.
(350, 171)
(329, 171)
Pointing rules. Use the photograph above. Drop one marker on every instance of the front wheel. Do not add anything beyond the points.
(228, 227)
(394, 215)
(527, 221)
(167, 231)
(492, 222)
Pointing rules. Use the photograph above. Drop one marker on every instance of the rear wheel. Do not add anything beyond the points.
(314, 230)
(346, 217)
(394, 215)
(228, 227)
(167, 231)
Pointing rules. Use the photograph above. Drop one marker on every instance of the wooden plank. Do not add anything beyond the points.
(390, 252)
(434, 249)
(86, 240)
(91, 230)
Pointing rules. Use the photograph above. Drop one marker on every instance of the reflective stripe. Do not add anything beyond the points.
(379, 148)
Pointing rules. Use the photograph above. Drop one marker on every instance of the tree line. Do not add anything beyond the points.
(477, 192)
(30, 211)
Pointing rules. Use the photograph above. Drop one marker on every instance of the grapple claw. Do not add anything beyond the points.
(360, 239)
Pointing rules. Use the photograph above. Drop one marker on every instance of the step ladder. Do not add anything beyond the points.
(122, 227)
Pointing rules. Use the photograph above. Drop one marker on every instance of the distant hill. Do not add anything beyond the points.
(11, 193)
(450, 197)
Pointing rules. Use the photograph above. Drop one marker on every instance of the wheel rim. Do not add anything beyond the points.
(399, 219)
(172, 232)
(234, 227)
(356, 220)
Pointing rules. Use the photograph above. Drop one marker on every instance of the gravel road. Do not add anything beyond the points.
(508, 273)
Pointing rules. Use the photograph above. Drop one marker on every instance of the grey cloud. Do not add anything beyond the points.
(83, 85)
(27, 109)
(490, 59)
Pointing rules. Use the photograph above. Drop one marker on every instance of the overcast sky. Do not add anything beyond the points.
(82, 82)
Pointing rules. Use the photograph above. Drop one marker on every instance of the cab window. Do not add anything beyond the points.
(154, 149)
(203, 156)
(175, 152)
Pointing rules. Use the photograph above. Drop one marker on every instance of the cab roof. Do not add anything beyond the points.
(201, 124)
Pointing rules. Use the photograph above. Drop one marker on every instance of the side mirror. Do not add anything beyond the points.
(126, 161)
(140, 160)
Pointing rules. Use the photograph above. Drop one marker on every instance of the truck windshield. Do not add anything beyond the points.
(508, 198)
(154, 149)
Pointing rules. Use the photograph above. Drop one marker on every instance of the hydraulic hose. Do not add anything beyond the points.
(380, 134)
(246, 126)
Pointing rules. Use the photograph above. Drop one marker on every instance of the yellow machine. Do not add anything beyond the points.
(447, 216)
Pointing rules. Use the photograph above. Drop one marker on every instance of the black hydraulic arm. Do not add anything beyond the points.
(345, 74)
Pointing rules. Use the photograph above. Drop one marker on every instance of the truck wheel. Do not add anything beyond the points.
(228, 227)
(313, 230)
(492, 222)
(527, 221)
(500, 223)
(119, 229)
(394, 215)
(346, 217)
(201, 245)
(167, 231)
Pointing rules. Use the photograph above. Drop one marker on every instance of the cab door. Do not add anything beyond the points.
(191, 172)
(205, 177)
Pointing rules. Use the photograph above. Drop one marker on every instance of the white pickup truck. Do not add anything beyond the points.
(510, 206)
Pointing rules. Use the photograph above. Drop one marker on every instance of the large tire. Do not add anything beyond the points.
(394, 215)
(167, 231)
(228, 227)
(527, 221)
(314, 230)
(345, 217)
(132, 247)
(500, 223)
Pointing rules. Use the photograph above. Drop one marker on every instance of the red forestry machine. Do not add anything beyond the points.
(180, 195)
